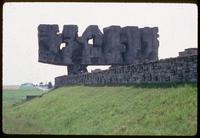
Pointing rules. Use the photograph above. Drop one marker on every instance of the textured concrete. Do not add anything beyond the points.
(115, 46)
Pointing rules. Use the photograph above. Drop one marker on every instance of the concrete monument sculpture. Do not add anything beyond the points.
(115, 46)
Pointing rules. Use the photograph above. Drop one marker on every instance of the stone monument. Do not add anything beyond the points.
(115, 46)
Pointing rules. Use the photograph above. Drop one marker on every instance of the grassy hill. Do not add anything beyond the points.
(108, 110)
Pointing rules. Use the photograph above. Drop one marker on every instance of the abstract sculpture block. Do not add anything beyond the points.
(115, 46)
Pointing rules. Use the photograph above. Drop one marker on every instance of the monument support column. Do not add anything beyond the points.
(76, 69)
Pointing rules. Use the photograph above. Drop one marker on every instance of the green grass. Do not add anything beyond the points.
(107, 110)
(11, 97)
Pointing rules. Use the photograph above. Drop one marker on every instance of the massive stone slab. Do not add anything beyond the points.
(131, 38)
(149, 43)
(113, 48)
(92, 53)
(49, 44)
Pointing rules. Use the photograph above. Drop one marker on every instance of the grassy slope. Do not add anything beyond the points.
(107, 110)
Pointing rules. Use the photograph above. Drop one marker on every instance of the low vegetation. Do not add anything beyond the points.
(106, 110)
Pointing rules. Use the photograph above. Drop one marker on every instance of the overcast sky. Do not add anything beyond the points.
(177, 25)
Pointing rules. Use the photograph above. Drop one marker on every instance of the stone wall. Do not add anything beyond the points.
(188, 52)
(179, 69)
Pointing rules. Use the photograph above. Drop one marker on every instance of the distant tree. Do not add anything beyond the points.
(41, 84)
(50, 85)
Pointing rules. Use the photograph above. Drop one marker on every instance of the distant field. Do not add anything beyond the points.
(107, 110)
(14, 96)
(10, 87)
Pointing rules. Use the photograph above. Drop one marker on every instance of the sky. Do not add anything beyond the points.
(177, 25)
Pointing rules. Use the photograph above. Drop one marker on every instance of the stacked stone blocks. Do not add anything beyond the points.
(180, 69)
